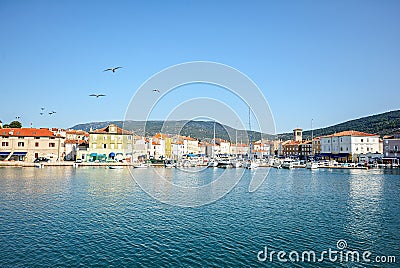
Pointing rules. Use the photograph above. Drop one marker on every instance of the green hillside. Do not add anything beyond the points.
(382, 124)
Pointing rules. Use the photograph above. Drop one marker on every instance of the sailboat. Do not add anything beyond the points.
(213, 162)
(250, 163)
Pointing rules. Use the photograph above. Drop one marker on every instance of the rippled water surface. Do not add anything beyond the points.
(101, 217)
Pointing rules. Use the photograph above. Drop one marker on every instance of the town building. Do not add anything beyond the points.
(109, 143)
(391, 149)
(348, 145)
(74, 140)
(27, 144)
(316, 146)
(305, 149)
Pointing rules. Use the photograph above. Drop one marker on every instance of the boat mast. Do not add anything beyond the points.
(213, 142)
(312, 138)
(250, 145)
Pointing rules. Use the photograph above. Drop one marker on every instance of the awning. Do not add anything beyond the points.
(15, 153)
(112, 154)
(19, 153)
(341, 155)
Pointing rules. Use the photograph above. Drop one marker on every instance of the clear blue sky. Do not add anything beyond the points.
(327, 60)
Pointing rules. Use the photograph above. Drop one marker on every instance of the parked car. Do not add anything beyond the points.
(41, 159)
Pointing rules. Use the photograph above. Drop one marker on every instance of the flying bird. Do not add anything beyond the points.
(96, 95)
(41, 113)
(50, 113)
(17, 117)
(156, 90)
(42, 108)
(53, 112)
(112, 69)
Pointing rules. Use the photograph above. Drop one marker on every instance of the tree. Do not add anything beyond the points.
(15, 124)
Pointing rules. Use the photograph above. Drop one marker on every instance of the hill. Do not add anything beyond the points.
(202, 130)
(382, 124)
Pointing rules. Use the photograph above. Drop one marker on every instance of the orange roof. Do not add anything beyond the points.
(26, 132)
(106, 130)
(77, 132)
(291, 142)
(161, 136)
(351, 133)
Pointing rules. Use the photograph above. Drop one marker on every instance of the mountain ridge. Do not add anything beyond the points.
(382, 124)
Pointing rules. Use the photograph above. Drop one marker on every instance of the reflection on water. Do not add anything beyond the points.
(101, 217)
(366, 195)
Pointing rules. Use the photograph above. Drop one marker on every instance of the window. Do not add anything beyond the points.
(119, 146)
(367, 149)
(52, 144)
(4, 143)
(104, 138)
(21, 144)
(341, 148)
(52, 138)
(112, 146)
(362, 140)
(37, 138)
(104, 146)
(36, 145)
(341, 139)
(112, 137)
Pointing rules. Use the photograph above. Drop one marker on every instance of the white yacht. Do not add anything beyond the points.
(288, 163)
(312, 165)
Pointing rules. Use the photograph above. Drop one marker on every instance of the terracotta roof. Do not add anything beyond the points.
(77, 132)
(106, 130)
(161, 136)
(26, 132)
(351, 133)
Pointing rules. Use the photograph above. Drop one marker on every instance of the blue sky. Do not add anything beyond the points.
(329, 61)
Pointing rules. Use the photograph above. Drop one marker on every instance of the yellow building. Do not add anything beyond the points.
(109, 143)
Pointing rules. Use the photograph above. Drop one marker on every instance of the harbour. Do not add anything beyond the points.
(101, 217)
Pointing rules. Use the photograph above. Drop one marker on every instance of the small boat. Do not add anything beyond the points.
(312, 165)
(250, 165)
(115, 167)
(212, 163)
(236, 164)
(288, 163)
(169, 164)
(277, 164)
(141, 165)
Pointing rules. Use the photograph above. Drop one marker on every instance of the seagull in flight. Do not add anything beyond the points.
(112, 69)
(42, 108)
(156, 90)
(96, 95)
(50, 113)
(41, 113)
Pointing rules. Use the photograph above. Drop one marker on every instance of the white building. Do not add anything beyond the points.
(348, 145)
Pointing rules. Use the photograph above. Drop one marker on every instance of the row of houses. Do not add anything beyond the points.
(115, 143)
